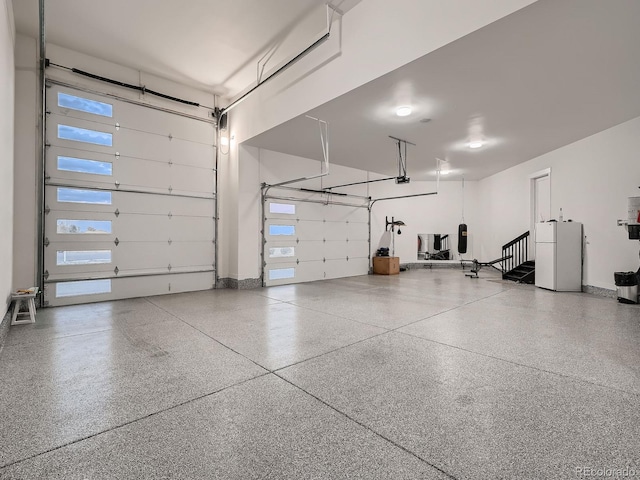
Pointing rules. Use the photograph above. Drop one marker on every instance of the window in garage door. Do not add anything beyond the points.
(130, 200)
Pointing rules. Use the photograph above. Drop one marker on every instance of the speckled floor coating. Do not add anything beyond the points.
(423, 375)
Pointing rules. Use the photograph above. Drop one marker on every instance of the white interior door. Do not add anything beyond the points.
(540, 205)
(130, 200)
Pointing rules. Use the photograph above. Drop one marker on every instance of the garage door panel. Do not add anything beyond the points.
(355, 266)
(307, 230)
(335, 250)
(128, 144)
(343, 214)
(358, 249)
(129, 193)
(336, 231)
(154, 227)
(310, 250)
(58, 136)
(130, 116)
(358, 232)
(119, 288)
(98, 256)
(310, 211)
(322, 242)
(128, 203)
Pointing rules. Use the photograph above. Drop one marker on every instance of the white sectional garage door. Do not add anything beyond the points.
(130, 200)
(313, 241)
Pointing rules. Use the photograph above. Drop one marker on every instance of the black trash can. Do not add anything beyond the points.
(626, 286)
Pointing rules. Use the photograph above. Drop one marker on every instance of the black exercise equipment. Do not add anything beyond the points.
(477, 266)
(462, 238)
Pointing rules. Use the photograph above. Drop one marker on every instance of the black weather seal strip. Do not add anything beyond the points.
(139, 88)
(360, 183)
(324, 192)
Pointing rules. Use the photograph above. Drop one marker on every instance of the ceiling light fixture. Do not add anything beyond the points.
(476, 143)
(403, 111)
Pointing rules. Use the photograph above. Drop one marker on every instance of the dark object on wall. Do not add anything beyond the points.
(462, 238)
(437, 242)
(634, 232)
(382, 252)
(223, 122)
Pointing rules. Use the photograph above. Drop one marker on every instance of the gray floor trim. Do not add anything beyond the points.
(244, 284)
(4, 327)
(436, 264)
(602, 292)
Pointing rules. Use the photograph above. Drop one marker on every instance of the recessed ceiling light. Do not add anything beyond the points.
(476, 143)
(445, 172)
(403, 111)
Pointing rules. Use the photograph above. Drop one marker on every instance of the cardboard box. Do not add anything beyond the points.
(386, 265)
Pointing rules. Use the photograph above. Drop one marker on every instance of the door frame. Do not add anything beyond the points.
(532, 206)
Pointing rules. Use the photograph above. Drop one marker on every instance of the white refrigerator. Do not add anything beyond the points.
(559, 256)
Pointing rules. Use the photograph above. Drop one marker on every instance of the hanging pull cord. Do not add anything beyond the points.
(463, 200)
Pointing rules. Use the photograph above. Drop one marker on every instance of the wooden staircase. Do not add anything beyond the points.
(518, 268)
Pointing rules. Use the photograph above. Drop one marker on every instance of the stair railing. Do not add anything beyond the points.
(518, 248)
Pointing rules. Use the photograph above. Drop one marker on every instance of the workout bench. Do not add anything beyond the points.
(477, 266)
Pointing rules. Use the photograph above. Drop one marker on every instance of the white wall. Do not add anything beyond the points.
(372, 39)
(7, 77)
(590, 180)
(27, 156)
(431, 214)
(441, 213)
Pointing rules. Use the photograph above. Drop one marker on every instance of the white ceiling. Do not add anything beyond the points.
(546, 76)
(210, 44)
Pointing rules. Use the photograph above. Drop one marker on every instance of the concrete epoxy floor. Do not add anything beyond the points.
(423, 375)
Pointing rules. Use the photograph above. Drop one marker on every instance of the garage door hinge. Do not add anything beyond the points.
(47, 144)
(116, 270)
(297, 261)
(117, 155)
(324, 260)
(170, 189)
(347, 258)
(45, 275)
(170, 214)
(117, 184)
(47, 178)
(48, 112)
(170, 137)
(170, 241)
(47, 210)
(117, 213)
(170, 163)
(116, 241)
(297, 240)
(169, 267)
(46, 242)
(117, 126)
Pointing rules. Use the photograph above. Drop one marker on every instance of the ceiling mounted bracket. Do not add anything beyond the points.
(402, 159)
